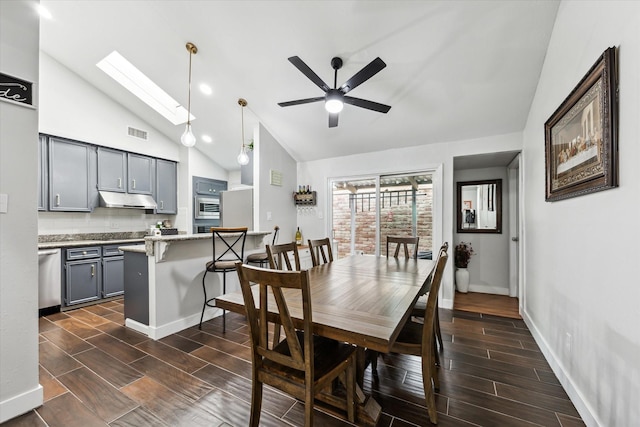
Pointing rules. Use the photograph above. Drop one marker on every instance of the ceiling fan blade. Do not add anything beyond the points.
(369, 105)
(304, 68)
(370, 70)
(300, 101)
(333, 120)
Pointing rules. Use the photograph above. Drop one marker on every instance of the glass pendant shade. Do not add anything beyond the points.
(243, 157)
(187, 138)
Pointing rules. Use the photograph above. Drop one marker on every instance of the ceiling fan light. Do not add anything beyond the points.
(333, 105)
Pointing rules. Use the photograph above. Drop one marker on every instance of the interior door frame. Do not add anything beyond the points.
(514, 172)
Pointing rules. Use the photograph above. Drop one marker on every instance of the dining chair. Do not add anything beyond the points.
(318, 248)
(419, 340)
(303, 365)
(279, 256)
(261, 258)
(404, 242)
(231, 250)
(421, 305)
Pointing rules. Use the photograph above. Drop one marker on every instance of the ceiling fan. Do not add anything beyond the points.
(334, 99)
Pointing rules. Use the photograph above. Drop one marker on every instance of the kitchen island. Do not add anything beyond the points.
(163, 281)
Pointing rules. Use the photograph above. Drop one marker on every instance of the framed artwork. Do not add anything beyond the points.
(467, 204)
(581, 146)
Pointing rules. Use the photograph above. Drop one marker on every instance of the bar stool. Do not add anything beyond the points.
(262, 258)
(231, 242)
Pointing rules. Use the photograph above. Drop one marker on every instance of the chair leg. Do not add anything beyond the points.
(224, 312)
(374, 362)
(256, 402)
(429, 380)
(205, 298)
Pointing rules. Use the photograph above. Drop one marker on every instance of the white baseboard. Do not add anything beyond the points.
(21, 404)
(585, 411)
(488, 289)
(158, 332)
(446, 303)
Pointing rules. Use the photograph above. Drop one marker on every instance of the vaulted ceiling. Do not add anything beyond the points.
(455, 69)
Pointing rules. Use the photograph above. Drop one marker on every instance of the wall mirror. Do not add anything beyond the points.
(479, 206)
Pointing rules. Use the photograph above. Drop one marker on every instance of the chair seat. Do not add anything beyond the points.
(409, 340)
(258, 257)
(221, 265)
(328, 355)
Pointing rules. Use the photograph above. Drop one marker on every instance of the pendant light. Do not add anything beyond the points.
(243, 157)
(188, 139)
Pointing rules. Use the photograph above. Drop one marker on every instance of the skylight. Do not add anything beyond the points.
(132, 79)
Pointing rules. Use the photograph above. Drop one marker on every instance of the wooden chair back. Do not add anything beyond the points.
(232, 240)
(320, 248)
(279, 256)
(403, 242)
(432, 306)
(272, 285)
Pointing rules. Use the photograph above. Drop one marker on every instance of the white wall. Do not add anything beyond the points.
(581, 273)
(489, 267)
(273, 200)
(19, 388)
(433, 156)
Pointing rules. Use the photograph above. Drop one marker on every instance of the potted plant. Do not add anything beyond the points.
(463, 253)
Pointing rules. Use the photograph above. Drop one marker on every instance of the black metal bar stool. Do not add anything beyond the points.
(262, 258)
(231, 251)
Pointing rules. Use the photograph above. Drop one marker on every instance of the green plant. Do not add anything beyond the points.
(463, 254)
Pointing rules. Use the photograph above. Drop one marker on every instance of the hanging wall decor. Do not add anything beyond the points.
(581, 137)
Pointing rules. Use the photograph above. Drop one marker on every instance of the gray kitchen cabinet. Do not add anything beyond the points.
(208, 185)
(166, 187)
(42, 173)
(83, 275)
(112, 170)
(141, 170)
(112, 271)
(70, 178)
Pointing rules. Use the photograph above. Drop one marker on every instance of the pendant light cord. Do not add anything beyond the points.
(189, 97)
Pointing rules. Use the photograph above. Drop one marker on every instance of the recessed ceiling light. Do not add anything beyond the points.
(207, 138)
(206, 89)
(43, 12)
(125, 73)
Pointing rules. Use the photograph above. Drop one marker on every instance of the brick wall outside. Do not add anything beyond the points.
(395, 218)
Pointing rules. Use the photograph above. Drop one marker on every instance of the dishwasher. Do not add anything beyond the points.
(49, 280)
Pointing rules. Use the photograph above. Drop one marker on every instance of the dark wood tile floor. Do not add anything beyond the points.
(95, 372)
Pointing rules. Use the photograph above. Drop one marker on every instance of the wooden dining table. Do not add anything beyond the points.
(360, 299)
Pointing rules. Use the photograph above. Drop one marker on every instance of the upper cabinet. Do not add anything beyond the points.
(141, 171)
(70, 171)
(209, 186)
(166, 187)
(42, 173)
(112, 170)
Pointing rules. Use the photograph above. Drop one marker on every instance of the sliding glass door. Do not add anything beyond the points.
(366, 210)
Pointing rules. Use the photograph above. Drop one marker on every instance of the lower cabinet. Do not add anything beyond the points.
(93, 273)
(112, 276)
(83, 274)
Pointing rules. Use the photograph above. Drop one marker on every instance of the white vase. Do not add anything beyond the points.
(462, 280)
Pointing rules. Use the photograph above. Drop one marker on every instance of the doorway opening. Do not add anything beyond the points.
(366, 210)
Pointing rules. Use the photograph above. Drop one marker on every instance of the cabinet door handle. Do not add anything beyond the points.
(161, 204)
(133, 183)
(57, 200)
(93, 270)
(119, 182)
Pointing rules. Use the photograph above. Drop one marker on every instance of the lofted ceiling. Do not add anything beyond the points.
(455, 69)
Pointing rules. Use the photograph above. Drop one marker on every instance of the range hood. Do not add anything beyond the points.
(110, 199)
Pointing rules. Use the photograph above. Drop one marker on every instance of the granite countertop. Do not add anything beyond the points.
(51, 241)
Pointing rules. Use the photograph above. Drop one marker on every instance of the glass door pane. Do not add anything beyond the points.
(354, 216)
(406, 209)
